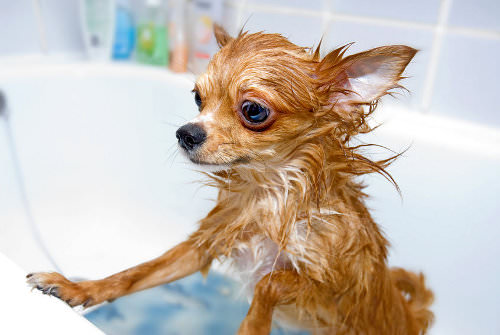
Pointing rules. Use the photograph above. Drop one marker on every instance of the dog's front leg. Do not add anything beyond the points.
(181, 261)
(278, 288)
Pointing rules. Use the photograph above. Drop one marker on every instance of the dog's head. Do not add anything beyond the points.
(262, 96)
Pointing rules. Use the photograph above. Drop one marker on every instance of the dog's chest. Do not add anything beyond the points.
(255, 258)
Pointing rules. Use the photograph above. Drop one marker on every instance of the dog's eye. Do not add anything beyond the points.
(254, 112)
(197, 99)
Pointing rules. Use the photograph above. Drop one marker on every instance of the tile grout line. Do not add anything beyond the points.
(437, 42)
(42, 34)
(283, 10)
(476, 32)
(383, 21)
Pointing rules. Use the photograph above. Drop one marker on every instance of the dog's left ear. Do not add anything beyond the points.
(363, 77)
(221, 35)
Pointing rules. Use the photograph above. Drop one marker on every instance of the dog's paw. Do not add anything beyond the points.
(56, 285)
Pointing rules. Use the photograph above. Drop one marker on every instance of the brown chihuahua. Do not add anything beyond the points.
(275, 126)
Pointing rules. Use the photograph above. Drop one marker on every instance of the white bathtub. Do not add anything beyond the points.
(104, 189)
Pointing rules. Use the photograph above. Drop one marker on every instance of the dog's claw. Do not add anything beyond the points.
(56, 285)
(54, 292)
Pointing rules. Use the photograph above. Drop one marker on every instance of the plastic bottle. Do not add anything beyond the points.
(124, 37)
(97, 21)
(203, 14)
(152, 36)
(179, 48)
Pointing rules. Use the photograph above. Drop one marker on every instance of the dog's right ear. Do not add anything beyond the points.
(221, 35)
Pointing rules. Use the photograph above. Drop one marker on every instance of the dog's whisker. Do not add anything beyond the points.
(175, 125)
(171, 152)
(180, 117)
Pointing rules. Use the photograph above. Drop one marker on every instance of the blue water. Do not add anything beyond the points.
(191, 306)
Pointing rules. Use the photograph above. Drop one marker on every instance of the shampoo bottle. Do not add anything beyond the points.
(97, 21)
(124, 38)
(203, 14)
(152, 37)
(178, 43)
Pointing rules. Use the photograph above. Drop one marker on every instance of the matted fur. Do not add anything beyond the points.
(290, 212)
(306, 167)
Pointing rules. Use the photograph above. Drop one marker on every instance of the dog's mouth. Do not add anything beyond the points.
(234, 162)
(213, 166)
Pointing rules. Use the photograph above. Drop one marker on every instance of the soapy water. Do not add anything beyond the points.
(191, 306)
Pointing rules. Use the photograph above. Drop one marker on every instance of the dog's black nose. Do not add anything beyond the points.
(190, 136)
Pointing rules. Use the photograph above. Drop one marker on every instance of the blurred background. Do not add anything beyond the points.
(92, 91)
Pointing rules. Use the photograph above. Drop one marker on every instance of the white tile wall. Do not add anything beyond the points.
(467, 79)
(231, 18)
(291, 25)
(482, 14)
(308, 5)
(425, 11)
(18, 32)
(459, 39)
(62, 25)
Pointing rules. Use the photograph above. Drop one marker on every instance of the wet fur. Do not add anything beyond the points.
(290, 211)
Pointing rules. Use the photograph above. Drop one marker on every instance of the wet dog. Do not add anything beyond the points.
(274, 131)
